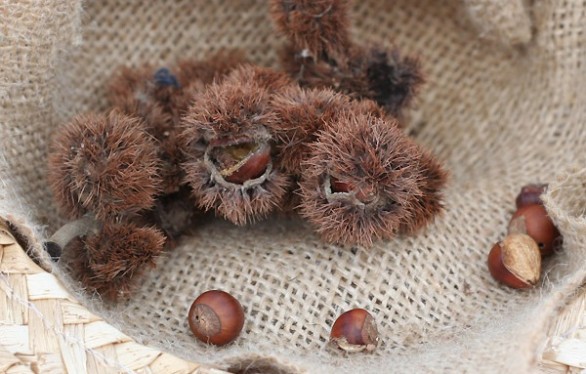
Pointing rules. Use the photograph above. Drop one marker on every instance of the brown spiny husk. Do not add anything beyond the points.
(371, 154)
(320, 28)
(135, 92)
(214, 67)
(301, 113)
(393, 80)
(425, 206)
(381, 75)
(111, 262)
(321, 54)
(161, 101)
(233, 111)
(173, 213)
(103, 164)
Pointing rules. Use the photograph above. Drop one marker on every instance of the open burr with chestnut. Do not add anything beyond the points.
(365, 180)
(229, 147)
(160, 97)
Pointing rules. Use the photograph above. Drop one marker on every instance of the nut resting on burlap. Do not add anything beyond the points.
(500, 112)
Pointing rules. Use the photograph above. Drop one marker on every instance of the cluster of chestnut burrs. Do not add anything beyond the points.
(321, 137)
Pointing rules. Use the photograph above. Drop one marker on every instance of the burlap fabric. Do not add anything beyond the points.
(504, 106)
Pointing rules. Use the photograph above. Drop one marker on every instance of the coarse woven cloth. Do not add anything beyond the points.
(504, 106)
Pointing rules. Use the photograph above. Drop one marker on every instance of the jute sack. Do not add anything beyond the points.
(504, 106)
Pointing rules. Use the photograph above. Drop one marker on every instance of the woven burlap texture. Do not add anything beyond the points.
(504, 21)
(499, 111)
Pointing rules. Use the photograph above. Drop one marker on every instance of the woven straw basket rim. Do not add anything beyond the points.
(44, 329)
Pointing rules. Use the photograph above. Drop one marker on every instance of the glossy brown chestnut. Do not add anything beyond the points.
(355, 331)
(530, 194)
(242, 162)
(216, 317)
(339, 186)
(534, 221)
(365, 195)
(516, 261)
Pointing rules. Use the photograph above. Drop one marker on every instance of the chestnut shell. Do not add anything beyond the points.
(515, 261)
(355, 331)
(216, 317)
(539, 226)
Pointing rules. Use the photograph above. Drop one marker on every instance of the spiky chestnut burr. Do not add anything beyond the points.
(302, 113)
(111, 261)
(318, 58)
(212, 68)
(315, 28)
(160, 96)
(366, 180)
(156, 97)
(229, 162)
(103, 164)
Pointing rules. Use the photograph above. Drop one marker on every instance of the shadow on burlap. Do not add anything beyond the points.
(504, 106)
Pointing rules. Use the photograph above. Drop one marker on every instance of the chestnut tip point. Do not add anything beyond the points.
(530, 194)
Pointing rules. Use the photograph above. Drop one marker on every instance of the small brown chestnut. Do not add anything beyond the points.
(355, 331)
(516, 261)
(338, 186)
(364, 194)
(216, 317)
(239, 163)
(534, 221)
(530, 194)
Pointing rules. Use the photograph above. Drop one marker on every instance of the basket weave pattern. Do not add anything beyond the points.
(43, 329)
